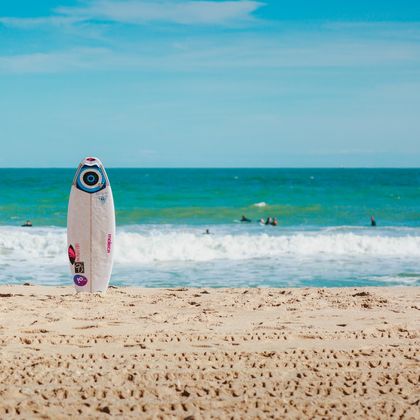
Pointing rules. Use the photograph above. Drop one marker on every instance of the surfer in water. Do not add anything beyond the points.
(28, 223)
(372, 221)
(274, 222)
(245, 219)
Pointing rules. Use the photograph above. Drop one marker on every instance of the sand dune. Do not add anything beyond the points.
(213, 353)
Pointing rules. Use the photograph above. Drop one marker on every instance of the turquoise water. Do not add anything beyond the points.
(323, 237)
(298, 197)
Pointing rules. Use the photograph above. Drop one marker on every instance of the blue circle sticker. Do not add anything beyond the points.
(80, 280)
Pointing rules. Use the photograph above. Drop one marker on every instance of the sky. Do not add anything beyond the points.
(190, 83)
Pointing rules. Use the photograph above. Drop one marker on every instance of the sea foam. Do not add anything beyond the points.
(261, 204)
(148, 245)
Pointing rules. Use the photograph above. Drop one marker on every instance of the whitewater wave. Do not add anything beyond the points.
(150, 245)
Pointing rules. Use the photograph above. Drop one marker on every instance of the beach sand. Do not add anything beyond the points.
(202, 353)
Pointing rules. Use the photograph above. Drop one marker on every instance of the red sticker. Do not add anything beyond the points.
(72, 254)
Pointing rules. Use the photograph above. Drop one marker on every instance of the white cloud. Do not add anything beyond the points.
(149, 11)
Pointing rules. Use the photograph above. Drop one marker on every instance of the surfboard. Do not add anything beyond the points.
(91, 227)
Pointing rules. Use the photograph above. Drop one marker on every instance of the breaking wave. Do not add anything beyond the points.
(144, 245)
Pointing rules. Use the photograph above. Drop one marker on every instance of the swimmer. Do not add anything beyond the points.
(28, 223)
(207, 232)
(274, 222)
(245, 219)
(372, 221)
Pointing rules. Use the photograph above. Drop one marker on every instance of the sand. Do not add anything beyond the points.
(213, 353)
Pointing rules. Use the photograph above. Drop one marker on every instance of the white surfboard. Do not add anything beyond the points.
(91, 227)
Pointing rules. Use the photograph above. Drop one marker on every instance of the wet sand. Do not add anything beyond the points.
(209, 353)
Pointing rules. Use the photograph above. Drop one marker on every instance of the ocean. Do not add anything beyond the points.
(323, 237)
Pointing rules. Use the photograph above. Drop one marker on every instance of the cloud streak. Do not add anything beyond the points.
(143, 12)
(180, 12)
(29, 23)
(239, 54)
(54, 62)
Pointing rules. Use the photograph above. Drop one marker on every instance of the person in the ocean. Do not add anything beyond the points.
(28, 223)
(245, 219)
(372, 221)
(207, 232)
(274, 222)
(269, 221)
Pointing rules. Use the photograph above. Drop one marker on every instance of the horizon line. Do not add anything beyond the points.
(218, 167)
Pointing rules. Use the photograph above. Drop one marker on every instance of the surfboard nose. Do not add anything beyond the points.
(91, 161)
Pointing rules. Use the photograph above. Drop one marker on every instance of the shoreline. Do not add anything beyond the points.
(201, 353)
(167, 256)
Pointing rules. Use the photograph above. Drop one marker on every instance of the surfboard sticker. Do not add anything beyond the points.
(91, 227)
(72, 254)
(80, 280)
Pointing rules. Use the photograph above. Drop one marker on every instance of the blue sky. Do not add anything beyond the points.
(210, 83)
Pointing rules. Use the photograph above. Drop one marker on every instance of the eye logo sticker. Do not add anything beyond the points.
(80, 280)
(90, 179)
(72, 254)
